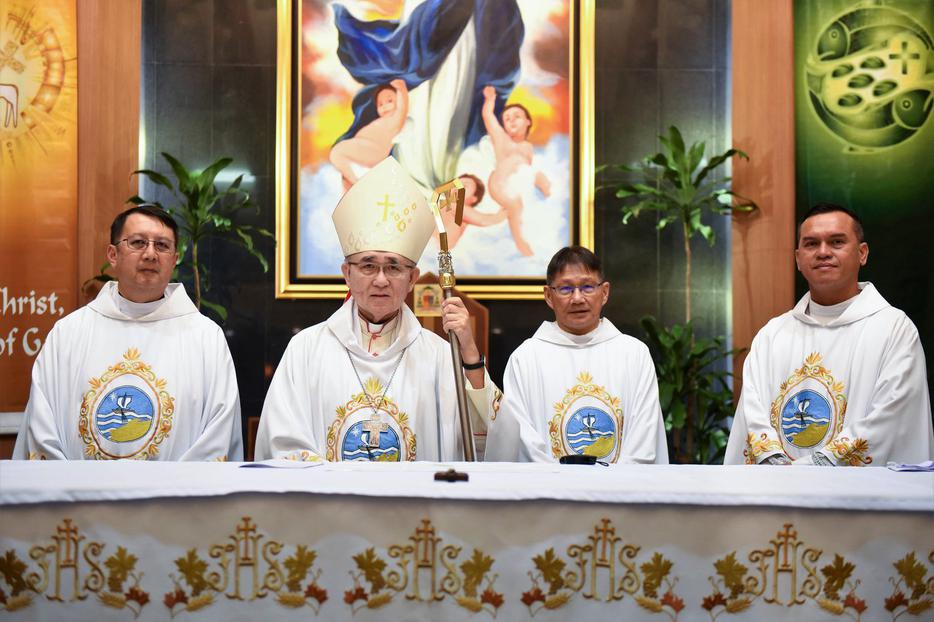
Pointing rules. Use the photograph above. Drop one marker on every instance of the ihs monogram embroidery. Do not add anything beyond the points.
(427, 572)
(72, 568)
(250, 551)
(785, 574)
(603, 568)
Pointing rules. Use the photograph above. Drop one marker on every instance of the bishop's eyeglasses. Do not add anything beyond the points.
(566, 291)
(138, 245)
(391, 270)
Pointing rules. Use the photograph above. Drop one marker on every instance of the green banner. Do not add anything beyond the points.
(864, 78)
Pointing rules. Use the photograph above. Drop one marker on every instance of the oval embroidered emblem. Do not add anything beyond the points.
(806, 418)
(591, 431)
(371, 439)
(124, 415)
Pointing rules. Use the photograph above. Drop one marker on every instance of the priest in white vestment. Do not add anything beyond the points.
(370, 383)
(579, 386)
(138, 373)
(839, 380)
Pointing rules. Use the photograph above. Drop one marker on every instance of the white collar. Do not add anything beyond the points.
(136, 310)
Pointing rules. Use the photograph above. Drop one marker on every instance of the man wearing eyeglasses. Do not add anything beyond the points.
(138, 373)
(370, 383)
(579, 386)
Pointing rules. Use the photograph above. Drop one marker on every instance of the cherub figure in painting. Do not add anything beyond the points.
(513, 171)
(474, 190)
(373, 142)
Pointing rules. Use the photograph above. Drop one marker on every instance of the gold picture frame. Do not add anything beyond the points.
(291, 282)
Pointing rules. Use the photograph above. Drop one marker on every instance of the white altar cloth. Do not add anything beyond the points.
(130, 541)
(853, 489)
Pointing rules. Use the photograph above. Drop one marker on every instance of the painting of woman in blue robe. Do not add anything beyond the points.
(476, 89)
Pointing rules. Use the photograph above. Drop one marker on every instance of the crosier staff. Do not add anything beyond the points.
(447, 197)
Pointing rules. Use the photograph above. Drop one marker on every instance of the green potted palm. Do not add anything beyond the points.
(682, 188)
(203, 211)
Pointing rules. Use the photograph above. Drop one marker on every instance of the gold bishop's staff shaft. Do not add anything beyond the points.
(441, 200)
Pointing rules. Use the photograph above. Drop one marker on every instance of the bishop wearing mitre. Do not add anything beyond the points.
(370, 383)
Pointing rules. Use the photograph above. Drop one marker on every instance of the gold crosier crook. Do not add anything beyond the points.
(447, 197)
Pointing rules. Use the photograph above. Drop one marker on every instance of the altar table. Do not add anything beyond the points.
(359, 541)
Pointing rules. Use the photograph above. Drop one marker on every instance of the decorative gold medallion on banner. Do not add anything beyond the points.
(71, 568)
(784, 574)
(808, 415)
(370, 427)
(556, 581)
(428, 572)
(912, 591)
(245, 553)
(127, 412)
(588, 420)
(38, 92)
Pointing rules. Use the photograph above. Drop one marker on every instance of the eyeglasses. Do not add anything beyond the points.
(391, 270)
(566, 291)
(138, 245)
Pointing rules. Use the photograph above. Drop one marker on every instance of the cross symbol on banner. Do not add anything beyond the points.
(7, 58)
(905, 57)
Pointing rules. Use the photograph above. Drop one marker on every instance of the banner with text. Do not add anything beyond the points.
(38, 184)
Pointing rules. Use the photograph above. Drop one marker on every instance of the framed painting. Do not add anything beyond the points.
(498, 93)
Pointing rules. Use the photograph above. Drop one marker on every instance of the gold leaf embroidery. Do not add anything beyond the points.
(837, 573)
(372, 567)
(474, 570)
(732, 571)
(853, 453)
(121, 564)
(551, 566)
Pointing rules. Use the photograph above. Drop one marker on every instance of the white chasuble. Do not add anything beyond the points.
(109, 386)
(854, 390)
(564, 394)
(332, 399)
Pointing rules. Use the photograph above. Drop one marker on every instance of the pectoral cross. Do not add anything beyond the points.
(373, 427)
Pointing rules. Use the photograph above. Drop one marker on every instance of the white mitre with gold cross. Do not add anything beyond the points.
(384, 211)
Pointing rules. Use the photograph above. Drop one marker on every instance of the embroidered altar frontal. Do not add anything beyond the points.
(119, 541)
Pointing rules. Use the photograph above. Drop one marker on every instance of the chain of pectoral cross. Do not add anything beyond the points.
(382, 397)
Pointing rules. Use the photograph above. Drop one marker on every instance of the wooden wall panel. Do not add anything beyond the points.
(109, 67)
(763, 126)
